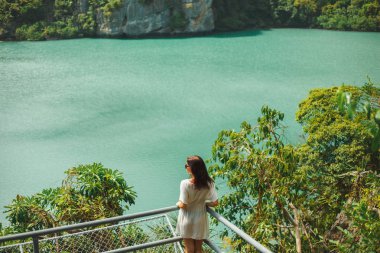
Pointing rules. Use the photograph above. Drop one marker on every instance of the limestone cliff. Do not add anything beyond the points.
(136, 18)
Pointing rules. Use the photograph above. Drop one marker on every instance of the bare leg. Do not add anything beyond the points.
(189, 245)
(198, 246)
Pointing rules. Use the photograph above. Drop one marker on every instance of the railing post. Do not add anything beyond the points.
(36, 247)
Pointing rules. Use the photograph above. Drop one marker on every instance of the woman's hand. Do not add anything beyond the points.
(180, 204)
(212, 204)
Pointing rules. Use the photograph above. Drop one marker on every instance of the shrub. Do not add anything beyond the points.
(110, 6)
(31, 32)
(88, 192)
(86, 23)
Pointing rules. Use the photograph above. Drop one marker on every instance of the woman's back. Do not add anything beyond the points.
(197, 198)
(192, 220)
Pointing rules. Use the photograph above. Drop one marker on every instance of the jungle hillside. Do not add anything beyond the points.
(60, 19)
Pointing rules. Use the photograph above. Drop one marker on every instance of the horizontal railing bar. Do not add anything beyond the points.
(85, 224)
(238, 231)
(213, 246)
(146, 245)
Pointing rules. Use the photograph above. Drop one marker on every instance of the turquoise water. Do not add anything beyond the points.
(143, 106)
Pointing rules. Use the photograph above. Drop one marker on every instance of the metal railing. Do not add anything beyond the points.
(36, 236)
(238, 231)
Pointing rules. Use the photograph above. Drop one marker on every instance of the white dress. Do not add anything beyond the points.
(193, 221)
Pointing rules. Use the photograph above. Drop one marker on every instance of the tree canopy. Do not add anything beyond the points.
(88, 192)
(321, 195)
(358, 15)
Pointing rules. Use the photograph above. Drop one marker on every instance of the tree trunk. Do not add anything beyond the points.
(297, 228)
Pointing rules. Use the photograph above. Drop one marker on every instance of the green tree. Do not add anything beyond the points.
(93, 192)
(356, 15)
(12, 13)
(89, 192)
(321, 195)
(339, 157)
(267, 188)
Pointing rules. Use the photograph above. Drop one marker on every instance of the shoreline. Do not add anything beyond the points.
(184, 35)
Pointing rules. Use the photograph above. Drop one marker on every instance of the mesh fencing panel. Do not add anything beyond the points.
(106, 238)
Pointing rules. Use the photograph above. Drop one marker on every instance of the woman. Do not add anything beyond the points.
(195, 194)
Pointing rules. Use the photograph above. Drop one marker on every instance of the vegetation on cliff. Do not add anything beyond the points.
(44, 19)
(357, 15)
(319, 196)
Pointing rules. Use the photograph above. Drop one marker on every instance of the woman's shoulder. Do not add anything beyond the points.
(185, 182)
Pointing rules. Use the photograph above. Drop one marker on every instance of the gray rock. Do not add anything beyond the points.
(134, 18)
(200, 16)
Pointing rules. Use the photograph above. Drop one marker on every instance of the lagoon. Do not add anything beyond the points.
(143, 106)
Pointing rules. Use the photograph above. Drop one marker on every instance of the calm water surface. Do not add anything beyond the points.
(143, 106)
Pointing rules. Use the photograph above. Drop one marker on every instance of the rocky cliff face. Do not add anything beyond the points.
(135, 18)
(200, 16)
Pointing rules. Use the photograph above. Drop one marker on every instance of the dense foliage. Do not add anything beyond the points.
(45, 19)
(88, 192)
(320, 196)
(358, 15)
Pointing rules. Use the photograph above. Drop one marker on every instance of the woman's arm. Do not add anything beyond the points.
(180, 204)
(212, 204)
(183, 195)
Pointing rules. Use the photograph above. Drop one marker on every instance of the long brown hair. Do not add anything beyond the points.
(199, 170)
